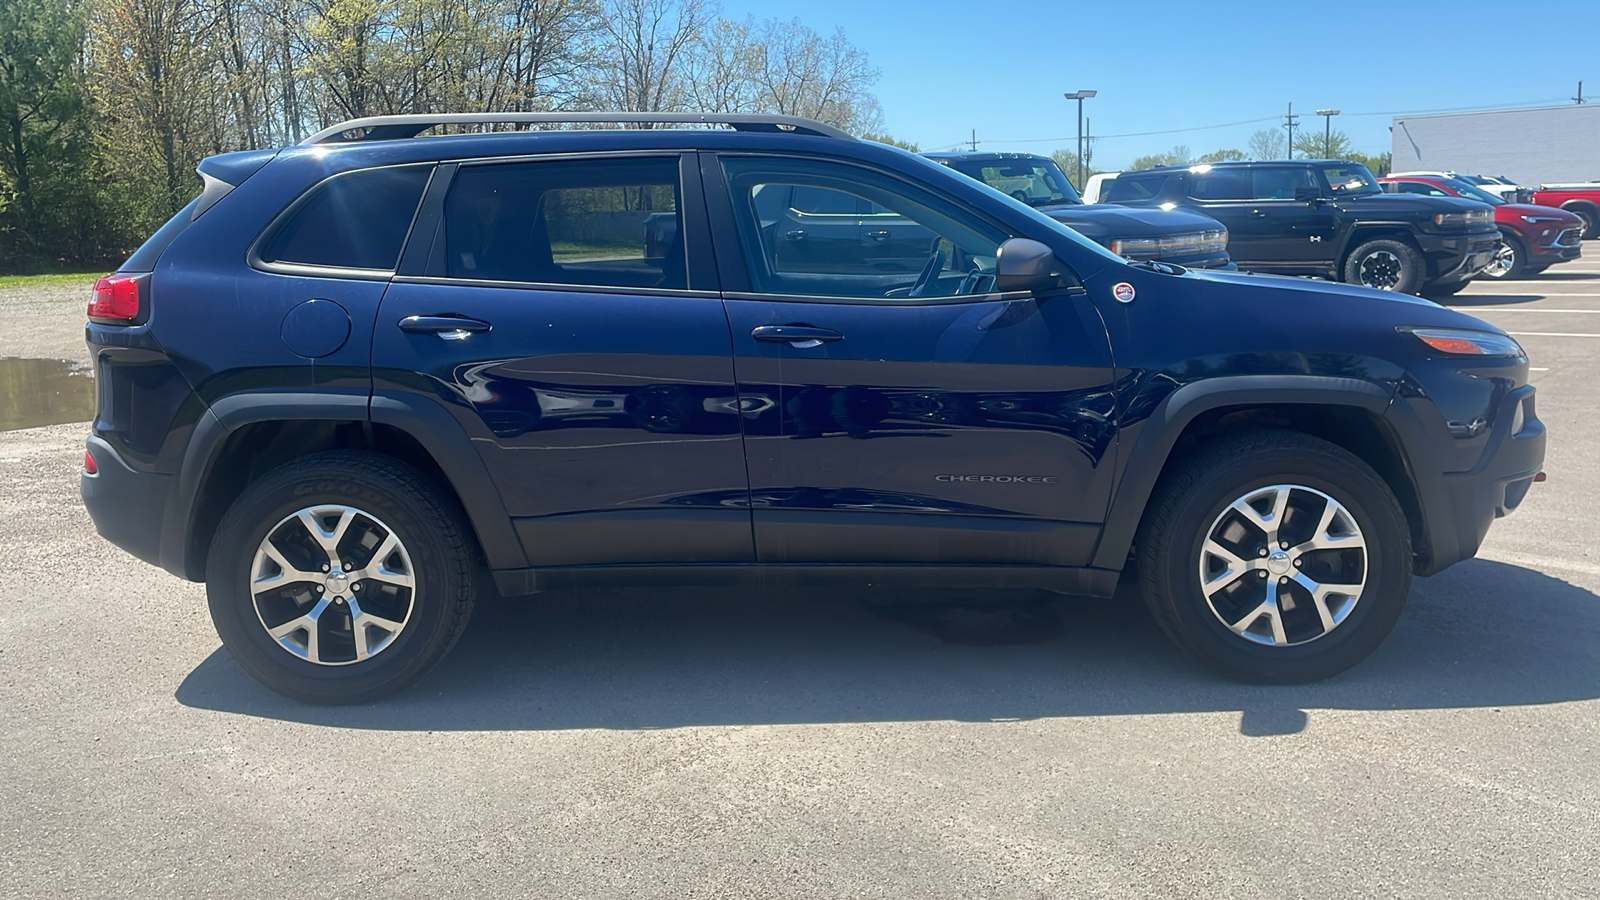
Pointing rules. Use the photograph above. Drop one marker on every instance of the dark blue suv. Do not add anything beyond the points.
(357, 373)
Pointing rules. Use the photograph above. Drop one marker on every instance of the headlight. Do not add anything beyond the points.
(1195, 242)
(1462, 342)
(1535, 219)
(1467, 219)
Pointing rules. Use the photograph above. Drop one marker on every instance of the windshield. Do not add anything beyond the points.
(1345, 179)
(1033, 214)
(1471, 192)
(1036, 182)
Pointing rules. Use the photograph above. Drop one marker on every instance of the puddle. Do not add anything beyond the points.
(36, 392)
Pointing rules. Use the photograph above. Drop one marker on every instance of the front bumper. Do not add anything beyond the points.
(1458, 257)
(1459, 507)
(1566, 246)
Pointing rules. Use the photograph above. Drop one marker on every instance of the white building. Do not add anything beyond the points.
(1533, 146)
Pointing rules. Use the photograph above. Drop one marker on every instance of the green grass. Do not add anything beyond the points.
(67, 279)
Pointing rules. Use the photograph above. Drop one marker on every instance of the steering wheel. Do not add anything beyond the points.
(929, 271)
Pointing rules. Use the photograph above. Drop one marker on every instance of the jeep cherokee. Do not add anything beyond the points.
(355, 373)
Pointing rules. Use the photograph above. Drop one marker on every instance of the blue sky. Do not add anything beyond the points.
(1000, 66)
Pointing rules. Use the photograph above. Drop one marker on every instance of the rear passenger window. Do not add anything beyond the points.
(1221, 184)
(354, 221)
(1280, 183)
(598, 222)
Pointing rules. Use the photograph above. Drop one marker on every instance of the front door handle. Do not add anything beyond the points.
(878, 235)
(448, 327)
(801, 337)
(1259, 213)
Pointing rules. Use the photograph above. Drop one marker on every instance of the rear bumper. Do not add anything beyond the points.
(127, 506)
(1459, 507)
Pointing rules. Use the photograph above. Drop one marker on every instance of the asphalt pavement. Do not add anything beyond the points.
(690, 743)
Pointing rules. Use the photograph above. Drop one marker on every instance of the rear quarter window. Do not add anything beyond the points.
(358, 220)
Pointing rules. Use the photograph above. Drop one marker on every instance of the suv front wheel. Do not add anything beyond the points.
(1387, 265)
(1275, 557)
(340, 577)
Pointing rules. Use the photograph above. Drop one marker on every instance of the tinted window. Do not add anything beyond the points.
(606, 222)
(1132, 187)
(1418, 187)
(823, 201)
(1279, 182)
(906, 243)
(1036, 182)
(1349, 178)
(1220, 184)
(353, 221)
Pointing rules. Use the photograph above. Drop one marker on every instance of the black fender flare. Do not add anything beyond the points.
(430, 425)
(1157, 436)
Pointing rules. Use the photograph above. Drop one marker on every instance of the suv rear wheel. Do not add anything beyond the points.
(340, 577)
(1275, 557)
(1385, 264)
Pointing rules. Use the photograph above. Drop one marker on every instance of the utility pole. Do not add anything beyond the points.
(1327, 132)
(1579, 98)
(974, 142)
(1289, 121)
(1080, 96)
(1088, 147)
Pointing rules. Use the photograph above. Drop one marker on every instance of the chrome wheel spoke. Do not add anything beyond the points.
(1268, 609)
(286, 572)
(309, 625)
(312, 520)
(1236, 567)
(362, 623)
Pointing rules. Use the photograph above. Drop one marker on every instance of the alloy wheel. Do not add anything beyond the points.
(1382, 270)
(1504, 262)
(1283, 565)
(332, 585)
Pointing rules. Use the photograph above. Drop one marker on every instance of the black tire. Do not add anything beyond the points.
(1386, 264)
(1200, 489)
(1443, 289)
(1518, 267)
(438, 549)
(1591, 220)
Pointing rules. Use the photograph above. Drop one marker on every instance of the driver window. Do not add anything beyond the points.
(826, 230)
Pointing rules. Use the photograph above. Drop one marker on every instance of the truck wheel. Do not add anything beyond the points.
(340, 577)
(1591, 221)
(1510, 261)
(1387, 265)
(1275, 557)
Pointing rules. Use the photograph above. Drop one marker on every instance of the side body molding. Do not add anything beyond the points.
(1158, 434)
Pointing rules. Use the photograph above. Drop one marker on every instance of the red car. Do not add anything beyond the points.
(1534, 237)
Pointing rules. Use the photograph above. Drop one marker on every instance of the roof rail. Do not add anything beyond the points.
(386, 128)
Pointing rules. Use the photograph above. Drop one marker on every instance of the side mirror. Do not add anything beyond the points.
(1307, 194)
(1023, 264)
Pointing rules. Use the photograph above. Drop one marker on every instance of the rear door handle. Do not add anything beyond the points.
(1261, 213)
(447, 327)
(878, 235)
(801, 337)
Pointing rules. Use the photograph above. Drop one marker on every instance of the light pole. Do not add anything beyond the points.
(1080, 96)
(1327, 131)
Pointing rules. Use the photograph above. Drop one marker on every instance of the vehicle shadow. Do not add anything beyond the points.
(1490, 299)
(1483, 634)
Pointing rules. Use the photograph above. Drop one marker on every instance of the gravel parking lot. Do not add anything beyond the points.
(652, 743)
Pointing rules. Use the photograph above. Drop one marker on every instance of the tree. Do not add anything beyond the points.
(1214, 156)
(1309, 144)
(1268, 143)
(1379, 165)
(891, 141)
(643, 54)
(1177, 156)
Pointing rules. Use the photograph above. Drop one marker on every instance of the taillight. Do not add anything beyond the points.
(115, 297)
(89, 468)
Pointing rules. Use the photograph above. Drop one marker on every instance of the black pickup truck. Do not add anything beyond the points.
(1327, 218)
(1179, 236)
